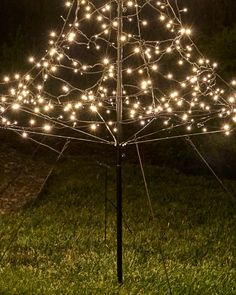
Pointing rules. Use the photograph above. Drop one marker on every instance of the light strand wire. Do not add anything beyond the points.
(24, 215)
(209, 167)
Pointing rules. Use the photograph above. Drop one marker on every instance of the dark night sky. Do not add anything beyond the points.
(35, 19)
(43, 15)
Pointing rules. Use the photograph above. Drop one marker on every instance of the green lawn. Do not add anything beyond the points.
(60, 246)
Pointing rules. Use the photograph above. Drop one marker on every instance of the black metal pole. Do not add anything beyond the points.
(105, 205)
(119, 93)
(119, 216)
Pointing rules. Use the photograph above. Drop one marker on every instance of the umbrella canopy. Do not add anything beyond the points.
(166, 83)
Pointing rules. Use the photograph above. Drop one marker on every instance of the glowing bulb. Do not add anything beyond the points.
(68, 4)
(93, 127)
(154, 67)
(106, 61)
(231, 99)
(71, 36)
(32, 122)
(162, 17)
(185, 31)
(53, 34)
(226, 127)
(47, 127)
(15, 106)
(65, 88)
(130, 3)
(93, 108)
(129, 70)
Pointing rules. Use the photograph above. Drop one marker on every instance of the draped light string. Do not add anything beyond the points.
(167, 83)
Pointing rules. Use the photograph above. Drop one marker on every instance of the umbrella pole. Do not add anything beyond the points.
(119, 94)
(119, 216)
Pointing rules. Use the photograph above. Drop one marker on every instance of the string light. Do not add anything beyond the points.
(165, 80)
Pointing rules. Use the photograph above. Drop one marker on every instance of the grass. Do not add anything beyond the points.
(60, 246)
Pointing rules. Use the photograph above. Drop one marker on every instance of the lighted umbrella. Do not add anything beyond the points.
(119, 73)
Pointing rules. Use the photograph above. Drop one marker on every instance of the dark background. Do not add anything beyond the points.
(26, 24)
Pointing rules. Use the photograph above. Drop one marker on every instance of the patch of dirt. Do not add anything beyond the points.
(21, 179)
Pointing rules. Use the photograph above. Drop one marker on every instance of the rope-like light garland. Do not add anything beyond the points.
(168, 83)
